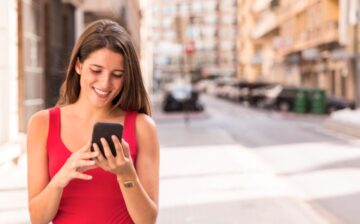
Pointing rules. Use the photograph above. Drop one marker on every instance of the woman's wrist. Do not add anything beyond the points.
(53, 184)
(128, 181)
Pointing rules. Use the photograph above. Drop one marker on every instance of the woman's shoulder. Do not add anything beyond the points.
(40, 120)
(144, 120)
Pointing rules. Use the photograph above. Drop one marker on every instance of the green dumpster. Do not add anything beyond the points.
(318, 101)
(301, 101)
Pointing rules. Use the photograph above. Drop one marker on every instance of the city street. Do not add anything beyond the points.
(233, 164)
(226, 163)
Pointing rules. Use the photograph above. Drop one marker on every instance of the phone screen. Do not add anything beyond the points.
(106, 130)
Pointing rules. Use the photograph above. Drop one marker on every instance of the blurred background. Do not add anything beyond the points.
(255, 101)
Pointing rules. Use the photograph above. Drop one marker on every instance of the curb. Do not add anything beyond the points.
(342, 127)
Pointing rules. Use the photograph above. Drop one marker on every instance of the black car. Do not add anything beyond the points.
(281, 98)
(181, 98)
(334, 103)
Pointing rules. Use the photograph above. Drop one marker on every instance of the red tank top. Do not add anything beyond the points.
(96, 201)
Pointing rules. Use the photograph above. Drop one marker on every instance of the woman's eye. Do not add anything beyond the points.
(118, 75)
(96, 71)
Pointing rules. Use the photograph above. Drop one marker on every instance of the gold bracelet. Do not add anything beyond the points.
(129, 183)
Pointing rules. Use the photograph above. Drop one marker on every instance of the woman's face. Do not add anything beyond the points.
(101, 76)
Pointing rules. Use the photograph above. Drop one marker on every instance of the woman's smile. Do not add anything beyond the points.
(100, 93)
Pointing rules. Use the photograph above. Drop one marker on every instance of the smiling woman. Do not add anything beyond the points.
(102, 76)
(69, 183)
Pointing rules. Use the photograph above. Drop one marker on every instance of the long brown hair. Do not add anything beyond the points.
(108, 34)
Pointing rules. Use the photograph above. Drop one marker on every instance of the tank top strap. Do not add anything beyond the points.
(54, 125)
(130, 130)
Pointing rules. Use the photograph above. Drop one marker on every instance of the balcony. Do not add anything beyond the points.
(290, 11)
(323, 34)
(265, 25)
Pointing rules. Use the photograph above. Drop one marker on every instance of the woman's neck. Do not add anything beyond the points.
(91, 113)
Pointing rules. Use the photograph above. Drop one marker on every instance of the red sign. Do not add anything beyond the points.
(190, 47)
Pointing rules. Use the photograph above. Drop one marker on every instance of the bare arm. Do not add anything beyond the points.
(142, 199)
(141, 195)
(43, 198)
(45, 194)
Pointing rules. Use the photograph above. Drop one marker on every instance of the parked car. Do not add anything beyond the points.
(334, 103)
(224, 85)
(258, 94)
(281, 98)
(247, 89)
(181, 98)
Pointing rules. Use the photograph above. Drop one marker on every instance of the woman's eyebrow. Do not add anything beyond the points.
(96, 65)
(99, 66)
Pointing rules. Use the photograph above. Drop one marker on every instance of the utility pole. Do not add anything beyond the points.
(356, 65)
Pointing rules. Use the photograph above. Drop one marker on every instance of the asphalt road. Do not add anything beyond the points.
(322, 166)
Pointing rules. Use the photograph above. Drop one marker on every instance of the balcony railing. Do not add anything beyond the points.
(326, 33)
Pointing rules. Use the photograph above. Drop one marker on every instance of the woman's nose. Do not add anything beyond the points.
(105, 80)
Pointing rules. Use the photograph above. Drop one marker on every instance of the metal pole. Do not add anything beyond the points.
(356, 58)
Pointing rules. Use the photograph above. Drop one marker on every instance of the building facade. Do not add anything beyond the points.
(194, 38)
(298, 42)
(37, 38)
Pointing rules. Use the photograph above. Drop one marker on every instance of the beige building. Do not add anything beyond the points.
(309, 30)
(295, 42)
(248, 53)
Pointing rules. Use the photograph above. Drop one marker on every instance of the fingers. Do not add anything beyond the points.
(99, 157)
(118, 146)
(107, 151)
(81, 176)
(81, 165)
(89, 155)
(86, 147)
(126, 148)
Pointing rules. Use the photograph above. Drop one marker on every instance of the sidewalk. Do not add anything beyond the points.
(13, 193)
(214, 180)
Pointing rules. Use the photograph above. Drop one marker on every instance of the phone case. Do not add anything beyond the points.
(106, 130)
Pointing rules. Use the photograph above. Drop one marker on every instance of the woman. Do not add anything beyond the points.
(69, 183)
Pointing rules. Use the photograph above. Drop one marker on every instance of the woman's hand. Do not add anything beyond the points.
(121, 165)
(74, 167)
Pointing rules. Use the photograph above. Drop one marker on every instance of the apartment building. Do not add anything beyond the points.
(309, 35)
(249, 58)
(297, 42)
(264, 34)
(194, 37)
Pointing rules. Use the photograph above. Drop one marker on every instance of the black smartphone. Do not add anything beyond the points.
(106, 130)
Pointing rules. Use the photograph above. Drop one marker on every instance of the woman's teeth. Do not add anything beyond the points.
(100, 92)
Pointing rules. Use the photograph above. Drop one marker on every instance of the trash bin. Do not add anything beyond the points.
(318, 101)
(301, 101)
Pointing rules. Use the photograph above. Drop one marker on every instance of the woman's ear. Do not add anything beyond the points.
(78, 66)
